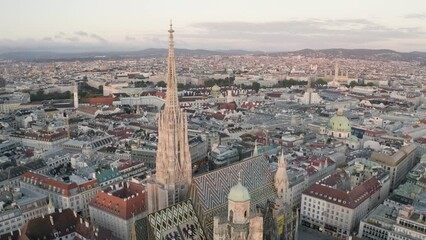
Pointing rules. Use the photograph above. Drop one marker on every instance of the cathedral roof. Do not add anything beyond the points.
(209, 191)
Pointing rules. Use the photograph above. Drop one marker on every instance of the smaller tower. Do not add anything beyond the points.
(281, 178)
(238, 203)
(239, 224)
(76, 95)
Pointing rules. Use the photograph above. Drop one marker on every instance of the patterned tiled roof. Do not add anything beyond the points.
(209, 191)
(172, 220)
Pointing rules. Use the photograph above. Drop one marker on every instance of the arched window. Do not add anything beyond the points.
(245, 214)
(231, 216)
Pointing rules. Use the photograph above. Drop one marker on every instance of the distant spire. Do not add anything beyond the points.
(336, 71)
(75, 94)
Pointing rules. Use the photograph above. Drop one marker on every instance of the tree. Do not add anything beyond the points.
(181, 86)
(353, 84)
(161, 84)
(321, 81)
(255, 86)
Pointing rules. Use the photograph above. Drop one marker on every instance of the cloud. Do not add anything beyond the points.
(266, 36)
(129, 38)
(298, 34)
(416, 16)
(81, 33)
(97, 37)
(60, 35)
(73, 39)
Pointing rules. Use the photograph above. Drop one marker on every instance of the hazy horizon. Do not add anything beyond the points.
(269, 26)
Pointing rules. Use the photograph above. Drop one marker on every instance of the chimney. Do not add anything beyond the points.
(51, 220)
(81, 220)
(75, 213)
(60, 210)
(19, 231)
(86, 223)
(42, 215)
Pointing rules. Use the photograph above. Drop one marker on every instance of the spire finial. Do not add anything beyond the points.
(171, 27)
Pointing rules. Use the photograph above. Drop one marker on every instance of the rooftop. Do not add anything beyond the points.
(123, 200)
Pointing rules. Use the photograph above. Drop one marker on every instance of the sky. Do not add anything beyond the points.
(266, 25)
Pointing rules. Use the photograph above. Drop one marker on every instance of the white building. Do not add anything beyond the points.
(74, 195)
(390, 223)
(334, 211)
(397, 162)
(28, 205)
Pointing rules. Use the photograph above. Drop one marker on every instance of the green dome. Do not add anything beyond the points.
(339, 123)
(215, 88)
(353, 139)
(239, 193)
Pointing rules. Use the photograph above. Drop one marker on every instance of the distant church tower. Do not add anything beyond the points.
(173, 176)
(75, 95)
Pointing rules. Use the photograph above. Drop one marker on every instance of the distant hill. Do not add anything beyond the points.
(372, 54)
(150, 52)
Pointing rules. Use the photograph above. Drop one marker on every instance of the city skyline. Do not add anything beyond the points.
(83, 26)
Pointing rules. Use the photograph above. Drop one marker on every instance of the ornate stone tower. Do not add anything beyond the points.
(281, 179)
(240, 224)
(173, 163)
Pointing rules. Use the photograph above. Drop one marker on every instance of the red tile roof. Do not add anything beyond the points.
(123, 202)
(100, 100)
(58, 186)
(62, 223)
(351, 199)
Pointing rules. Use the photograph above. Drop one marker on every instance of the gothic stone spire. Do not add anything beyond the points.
(281, 178)
(173, 162)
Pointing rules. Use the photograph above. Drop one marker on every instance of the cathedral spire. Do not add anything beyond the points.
(173, 163)
(171, 94)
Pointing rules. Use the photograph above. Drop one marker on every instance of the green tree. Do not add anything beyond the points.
(255, 86)
(321, 81)
(353, 84)
(181, 86)
(161, 84)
